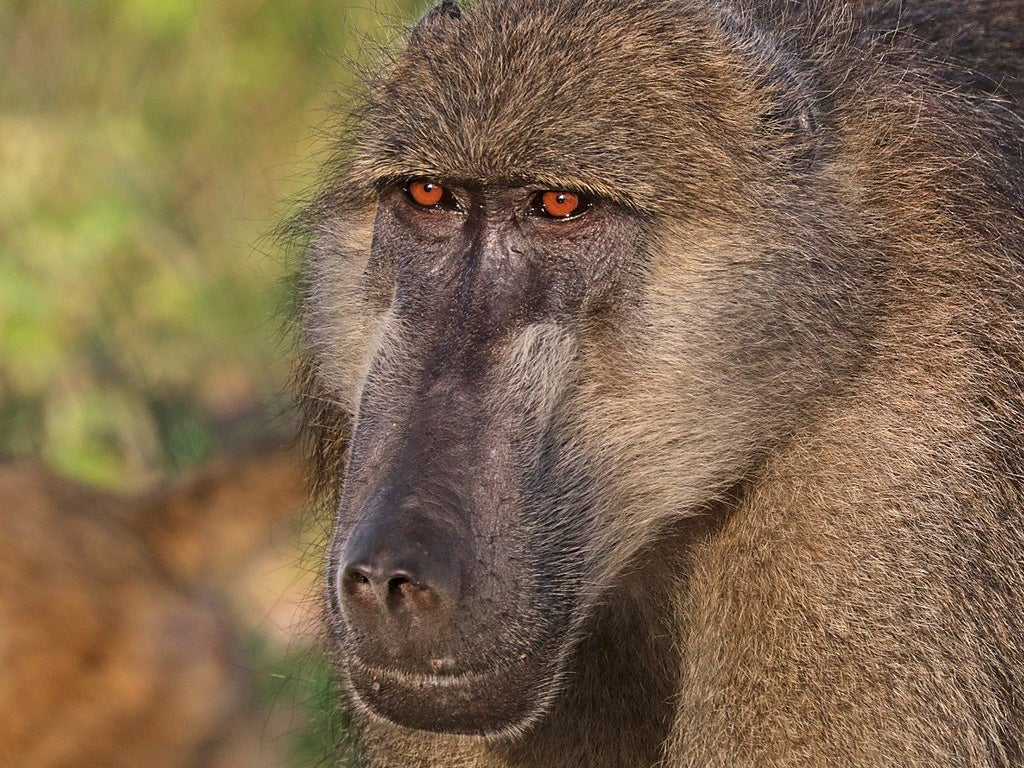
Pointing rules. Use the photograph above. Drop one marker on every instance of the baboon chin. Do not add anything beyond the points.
(663, 364)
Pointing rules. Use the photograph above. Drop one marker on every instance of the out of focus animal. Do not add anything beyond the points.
(116, 650)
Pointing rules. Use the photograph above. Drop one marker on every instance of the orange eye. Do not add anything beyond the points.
(560, 204)
(426, 193)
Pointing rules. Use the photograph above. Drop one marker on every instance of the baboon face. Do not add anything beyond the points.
(461, 555)
(562, 317)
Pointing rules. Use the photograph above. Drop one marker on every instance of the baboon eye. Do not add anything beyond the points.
(559, 204)
(429, 194)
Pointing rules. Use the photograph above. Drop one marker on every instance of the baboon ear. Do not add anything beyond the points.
(445, 12)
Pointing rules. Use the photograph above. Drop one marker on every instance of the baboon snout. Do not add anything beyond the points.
(399, 583)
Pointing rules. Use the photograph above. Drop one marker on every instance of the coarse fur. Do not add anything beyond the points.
(732, 465)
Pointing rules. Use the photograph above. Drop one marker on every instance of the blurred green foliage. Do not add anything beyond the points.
(299, 680)
(145, 146)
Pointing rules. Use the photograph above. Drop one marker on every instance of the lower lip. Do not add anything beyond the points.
(471, 704)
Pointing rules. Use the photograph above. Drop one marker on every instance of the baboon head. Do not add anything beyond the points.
(570, 284)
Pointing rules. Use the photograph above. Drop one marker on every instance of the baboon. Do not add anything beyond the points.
(664, 364)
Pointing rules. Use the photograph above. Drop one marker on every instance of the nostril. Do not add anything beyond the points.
(400, 580)
(409, 595)
(355, 582)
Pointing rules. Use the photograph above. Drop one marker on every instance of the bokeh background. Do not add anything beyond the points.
(147, 150)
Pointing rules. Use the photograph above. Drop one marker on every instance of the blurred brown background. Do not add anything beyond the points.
(158, 596)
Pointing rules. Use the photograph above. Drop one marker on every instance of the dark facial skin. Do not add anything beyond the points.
(514, 264)
(458, 516)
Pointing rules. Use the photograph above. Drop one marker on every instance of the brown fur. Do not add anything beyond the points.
(803, 408)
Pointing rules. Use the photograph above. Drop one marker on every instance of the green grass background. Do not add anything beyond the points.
(146, 147)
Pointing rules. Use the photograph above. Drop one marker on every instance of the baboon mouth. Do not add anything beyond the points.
(505, 699)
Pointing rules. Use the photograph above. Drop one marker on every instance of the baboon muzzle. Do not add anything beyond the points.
(436, 571)
(452, 528)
